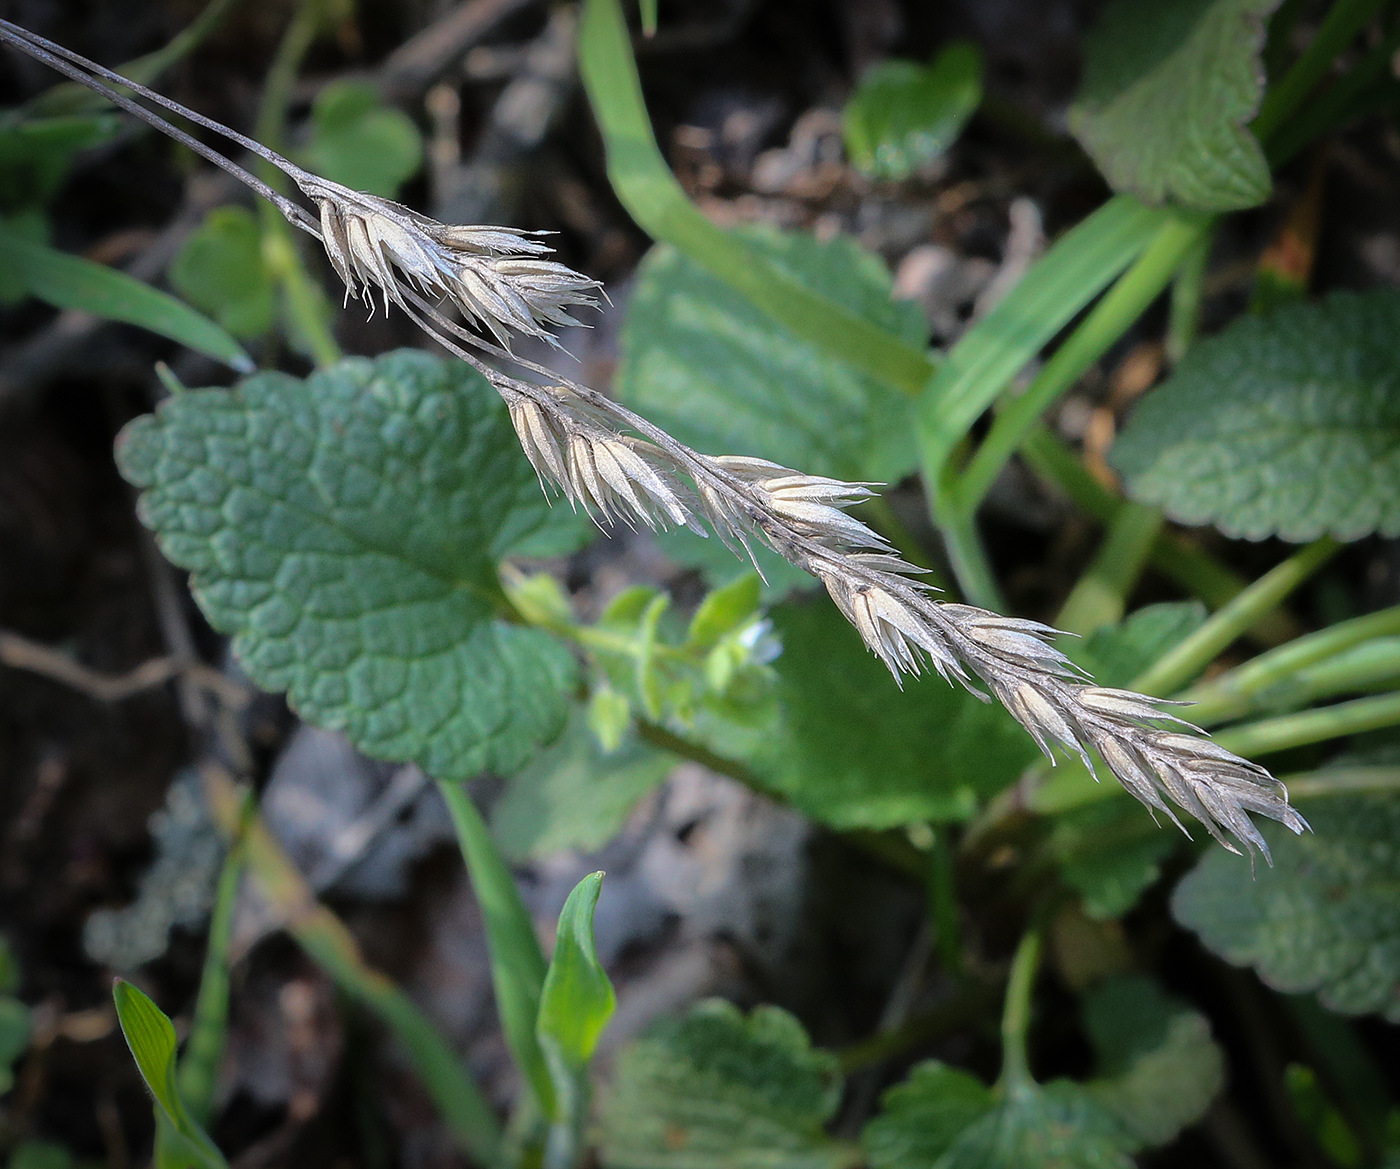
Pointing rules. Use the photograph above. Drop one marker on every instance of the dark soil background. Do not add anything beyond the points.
(711, 890)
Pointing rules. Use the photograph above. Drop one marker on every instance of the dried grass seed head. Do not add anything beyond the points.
(494, 276)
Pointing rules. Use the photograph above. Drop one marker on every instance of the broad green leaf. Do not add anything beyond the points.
(698, 360)
(1159, 1068)
(578, 999)
(574, 794)
(1059, 1126)
(37, 154)
(941, 1118)
(150, 1036)
(921, 1117)
(358, 141)
(1169, 88)
(70, 282)
(903, 116)
(853, 750)
(723, 611)
(1286, 425)
(1325, 918)
(220, 269)
(718, 1090)
(345, 531)
(1109, 853)
(1116, 654)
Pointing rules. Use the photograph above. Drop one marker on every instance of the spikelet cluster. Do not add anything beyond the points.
(618, 467)
(496, 277)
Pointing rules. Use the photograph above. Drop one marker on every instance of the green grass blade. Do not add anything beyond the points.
(654, 198)
(150, 1036)
(517, 963)
(1079, 266)
(199, 1066)
(332, 947)
(70, 282)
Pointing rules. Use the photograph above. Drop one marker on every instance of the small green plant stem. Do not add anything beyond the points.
(1100, 596)
(1344, 20)
(1196, 571)
(199, 1064)
(331, 946)
(653, 197)
(1312, 726)
(1188, 287)
(1127, 300)
(943, 901)
(280, 253)
(517, 962)
(1016, 1016)
(1335, 781)
(966, 553)
(1183, 663)
(1232, 694)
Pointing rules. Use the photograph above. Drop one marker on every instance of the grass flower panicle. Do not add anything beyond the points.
(619, 467)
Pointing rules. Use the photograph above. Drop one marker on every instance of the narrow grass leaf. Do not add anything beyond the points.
(70, 282)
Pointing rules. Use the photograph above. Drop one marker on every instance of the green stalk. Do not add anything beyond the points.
(653, 197)
(1101, 594)
(1199, 573)
(1336, 781)
(1178, 666)
(199, 1064)
(280, 253)
(1127, 300)
(1188, 288)
(1016, 1016)
(332, 947)
(1312, 726)
(966, 553)
(517, 962)
(1232, 695)
(1343, 22)
(943, 902)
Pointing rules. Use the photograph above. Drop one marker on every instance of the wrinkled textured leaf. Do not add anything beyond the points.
(1169, 87)
(851, 750)
(574, 795)
(697, 359)
(345, 530)
(361, 143)
(220, 269)
(1286, 425)
(1116, 654)
(718, 1090)
(1109, 853)
(944, 1119)
(71, 282)
(922, 1117)
(1159, 1067)
(903, 115)
(1325, 918)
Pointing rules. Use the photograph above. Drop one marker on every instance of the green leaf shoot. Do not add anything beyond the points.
(220, 269)
(361, 143)
(904, 115)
